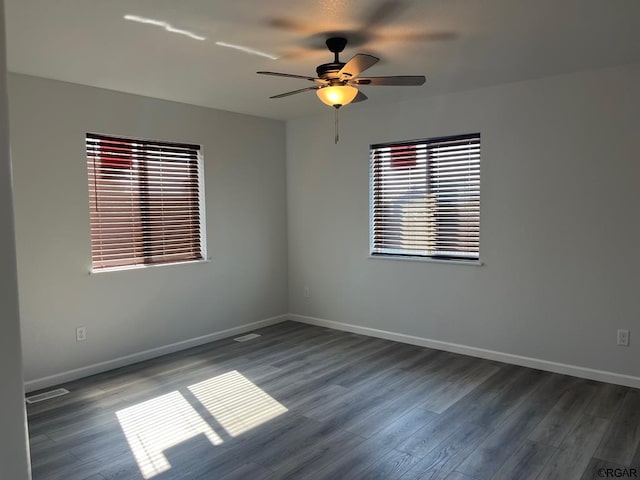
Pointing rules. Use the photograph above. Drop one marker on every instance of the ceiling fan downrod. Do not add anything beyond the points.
(336, 45)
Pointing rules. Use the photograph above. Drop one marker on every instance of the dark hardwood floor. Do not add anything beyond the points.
(302, 402)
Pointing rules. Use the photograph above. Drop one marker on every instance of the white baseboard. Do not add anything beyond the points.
(573, 370)
(77, 373)
(565, 369)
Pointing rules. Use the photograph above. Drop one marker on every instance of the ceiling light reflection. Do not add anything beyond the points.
(167, 26)
(247, 50)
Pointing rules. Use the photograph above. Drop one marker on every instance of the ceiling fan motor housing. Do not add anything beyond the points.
(329, 71)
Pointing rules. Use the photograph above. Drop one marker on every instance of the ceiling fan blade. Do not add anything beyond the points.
(398, 80)
(295, 91)
(361, 97)
(358, 64)
(290, 75)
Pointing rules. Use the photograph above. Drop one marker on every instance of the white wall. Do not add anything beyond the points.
(127, 312)
(14, 457)
(560, 180)
(560, 194)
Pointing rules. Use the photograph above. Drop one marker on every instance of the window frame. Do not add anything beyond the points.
(388, 255)
(203, 258)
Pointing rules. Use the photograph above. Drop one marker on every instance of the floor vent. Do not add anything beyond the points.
(41, 397)
(244, 338)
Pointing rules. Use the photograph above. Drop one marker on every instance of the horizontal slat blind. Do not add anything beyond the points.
(144, 201)
(425, 198)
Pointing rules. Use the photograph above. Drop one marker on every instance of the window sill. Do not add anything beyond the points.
(143, 267)
(473, 263)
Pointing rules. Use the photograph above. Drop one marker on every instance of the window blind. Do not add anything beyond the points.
(425, 198)
(145, 201)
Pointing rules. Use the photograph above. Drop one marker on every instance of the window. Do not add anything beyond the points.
(425, 198)
(146, 202)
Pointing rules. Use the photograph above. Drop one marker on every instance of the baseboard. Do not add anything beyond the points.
(565, 369)
(82, 372)
(573, 370)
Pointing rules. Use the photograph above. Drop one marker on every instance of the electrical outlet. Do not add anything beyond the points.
(307, 292)
(623, 338)
(81, 334)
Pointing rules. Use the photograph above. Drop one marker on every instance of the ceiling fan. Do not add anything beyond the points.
(337, 82)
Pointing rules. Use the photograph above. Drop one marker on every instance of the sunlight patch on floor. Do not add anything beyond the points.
(236, 403)
(158, 424)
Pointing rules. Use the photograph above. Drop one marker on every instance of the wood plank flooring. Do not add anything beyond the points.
(303, 402)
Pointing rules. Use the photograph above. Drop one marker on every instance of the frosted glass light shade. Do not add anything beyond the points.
(337, 95)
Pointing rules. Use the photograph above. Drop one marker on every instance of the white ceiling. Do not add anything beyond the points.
(458, 45)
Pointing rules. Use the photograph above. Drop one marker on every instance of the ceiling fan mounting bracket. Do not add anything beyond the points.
(336, 44)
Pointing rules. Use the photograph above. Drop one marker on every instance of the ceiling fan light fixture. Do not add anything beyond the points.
(337, 95)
